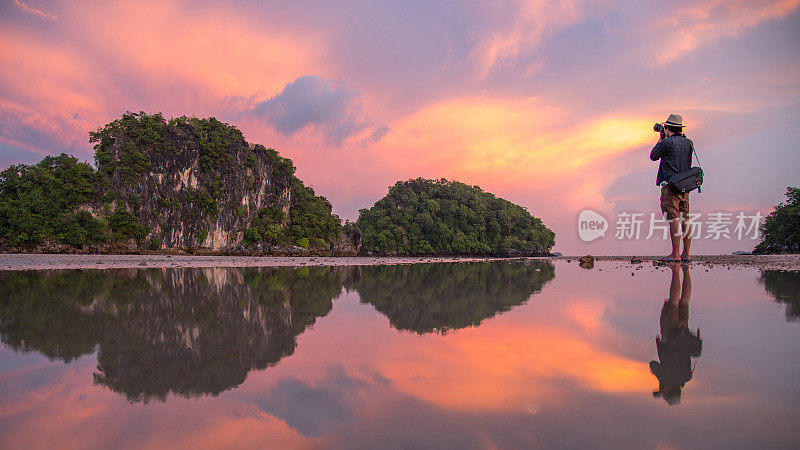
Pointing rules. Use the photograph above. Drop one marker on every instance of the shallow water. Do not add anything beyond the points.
(467, 355)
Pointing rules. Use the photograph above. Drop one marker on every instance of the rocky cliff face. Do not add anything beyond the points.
(185, 203)
(196, 183)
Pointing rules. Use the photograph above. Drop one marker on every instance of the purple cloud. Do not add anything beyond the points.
(310, 101)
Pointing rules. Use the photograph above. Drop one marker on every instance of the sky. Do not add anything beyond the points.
(547, 104)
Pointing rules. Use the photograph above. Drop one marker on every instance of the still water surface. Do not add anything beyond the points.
(466, 355)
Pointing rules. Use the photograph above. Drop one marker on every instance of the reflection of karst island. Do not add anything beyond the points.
(186, 331)
(193, 332)
(427, 298)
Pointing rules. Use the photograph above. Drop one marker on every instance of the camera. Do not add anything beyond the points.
(658, 128)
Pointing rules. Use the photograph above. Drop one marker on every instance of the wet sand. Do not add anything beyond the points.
(50, 261)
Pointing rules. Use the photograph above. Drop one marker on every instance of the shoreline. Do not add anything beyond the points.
(17, 261)
(764, 262)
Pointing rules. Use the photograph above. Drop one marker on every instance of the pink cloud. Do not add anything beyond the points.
(214, 49)
(72, 412)
(157, 56)
(699, 23)
(34, 11)
(516, 28)
(520, 26)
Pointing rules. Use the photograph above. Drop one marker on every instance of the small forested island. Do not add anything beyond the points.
(197, 186)
(422, 216)
(781, 229)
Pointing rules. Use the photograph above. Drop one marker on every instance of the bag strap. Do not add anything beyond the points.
(697, 360)
(698, 165)
(694, 151)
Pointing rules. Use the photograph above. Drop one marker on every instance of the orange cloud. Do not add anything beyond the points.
(586, 313)
(479, 370)
(503, 144)
(516, 362)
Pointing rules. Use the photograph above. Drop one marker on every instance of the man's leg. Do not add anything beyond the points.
(686, 286)
(675, 237)
(683, 213)
(669, 207)
(687, 236)
(675, 288)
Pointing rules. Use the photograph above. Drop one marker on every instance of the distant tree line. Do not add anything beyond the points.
(44, 201)
(69, 202)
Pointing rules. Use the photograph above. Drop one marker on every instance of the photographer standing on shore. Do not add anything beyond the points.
(675, 152)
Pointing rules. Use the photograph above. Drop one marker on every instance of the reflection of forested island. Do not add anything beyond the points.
(426, 298)
(186, 331)
(194, 332)
(785, 287)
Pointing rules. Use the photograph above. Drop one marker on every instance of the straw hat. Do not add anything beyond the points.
(674, 120)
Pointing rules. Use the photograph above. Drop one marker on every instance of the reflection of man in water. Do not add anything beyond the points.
(677, 344)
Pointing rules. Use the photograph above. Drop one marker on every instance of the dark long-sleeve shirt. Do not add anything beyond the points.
(675, 153)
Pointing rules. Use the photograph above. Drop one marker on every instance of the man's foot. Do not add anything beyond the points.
(670, 259)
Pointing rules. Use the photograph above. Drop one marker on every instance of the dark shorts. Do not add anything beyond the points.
(673, 204)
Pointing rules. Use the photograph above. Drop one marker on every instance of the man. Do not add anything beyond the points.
(675, 152)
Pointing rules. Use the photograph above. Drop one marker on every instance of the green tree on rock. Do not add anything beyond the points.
(41, 201)
(781, 229)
